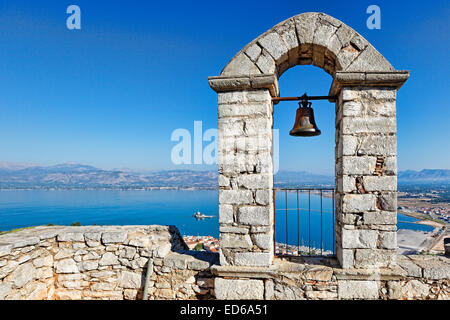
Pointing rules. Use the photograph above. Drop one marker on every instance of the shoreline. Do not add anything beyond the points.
(423, 220)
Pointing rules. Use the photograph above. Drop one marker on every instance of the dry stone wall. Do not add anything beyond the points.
(366, 177)
(415, 278)
(96, 262)
(56, 263)
(245, 177)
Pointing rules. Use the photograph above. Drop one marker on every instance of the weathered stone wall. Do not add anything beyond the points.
(416, 277)
(111, 263)
(102, 263)
(366, 177)
(245, 177)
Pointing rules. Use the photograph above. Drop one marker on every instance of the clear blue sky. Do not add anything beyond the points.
(111, 94)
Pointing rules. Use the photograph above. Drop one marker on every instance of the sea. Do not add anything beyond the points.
(310, 225)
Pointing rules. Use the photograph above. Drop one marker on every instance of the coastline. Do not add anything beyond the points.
(423, 220)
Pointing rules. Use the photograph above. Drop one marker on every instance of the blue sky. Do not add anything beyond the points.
(111, 94)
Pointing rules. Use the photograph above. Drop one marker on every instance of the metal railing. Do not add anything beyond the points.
(296, 218)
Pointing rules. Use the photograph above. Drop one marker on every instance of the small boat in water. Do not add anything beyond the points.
(198, 215)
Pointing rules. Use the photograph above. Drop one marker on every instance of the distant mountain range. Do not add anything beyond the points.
(73, 175)
(425, 175)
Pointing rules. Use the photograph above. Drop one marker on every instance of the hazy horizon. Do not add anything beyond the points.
(111, 94)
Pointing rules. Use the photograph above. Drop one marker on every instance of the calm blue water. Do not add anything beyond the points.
(107, 207)
(20, 208)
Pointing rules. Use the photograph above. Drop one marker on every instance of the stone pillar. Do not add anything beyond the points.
(245, 170)
(366, 169)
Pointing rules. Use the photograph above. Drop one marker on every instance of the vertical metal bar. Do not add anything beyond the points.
(321, 249)
(274, 224)
(286, 214)
(309, 221)
(298, 226)
(334, 253)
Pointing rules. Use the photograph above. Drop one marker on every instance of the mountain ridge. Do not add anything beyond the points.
(75, 175)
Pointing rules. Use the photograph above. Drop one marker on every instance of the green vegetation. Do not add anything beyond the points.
(199, 247)
(76, 224)
(14, 230)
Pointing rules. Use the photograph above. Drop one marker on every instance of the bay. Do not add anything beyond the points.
(311, 225)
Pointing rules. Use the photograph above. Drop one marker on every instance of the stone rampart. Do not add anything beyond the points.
(111, 262)
(108, 262)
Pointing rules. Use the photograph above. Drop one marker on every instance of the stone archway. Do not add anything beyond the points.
(365, 84)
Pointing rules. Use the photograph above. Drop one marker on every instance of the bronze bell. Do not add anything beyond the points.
(304, 125)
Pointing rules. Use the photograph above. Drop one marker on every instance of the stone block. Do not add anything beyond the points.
(322, 35)
(5, 289)
(376, 124)
(380, 183)
(433, 268)
(345, 34)
(388, 240)
(64, 253)
(5, 249)
(346, 56)
(355, 165)
(253, 258)
(266, 63)
(163, 250)
(263, 241)
(261, 109)
(231, 289)
(235, 197)
(114, 237)
(347, 145)
(89, 265)
(43, 261)
(232, 240)
(255, 181)
(412, 289)
(240, 65)
(254, 215)
(68, 236)
(375, 258)
(177, 260)
(356, 289)
(253, 52)
(370, 60)
(378, 145)
(130, 280)
(352, 239)
(66, 266)
(21, 275)
(345, 257)
(380, 218)
(109, 259)
(234, 97)
(264, 197)
(411, 269)
(274, 46)
(358, 203)
(390, 165)
(24, 242)
(306, 25)
(346, 184)
(229, 229)
(226, 213)
(387, 201)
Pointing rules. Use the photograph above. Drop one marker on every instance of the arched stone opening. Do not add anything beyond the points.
(365, 84)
